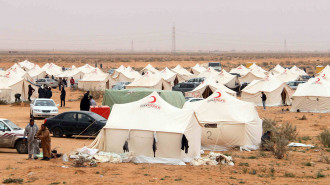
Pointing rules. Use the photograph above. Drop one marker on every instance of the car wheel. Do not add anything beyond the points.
(57, 132)
(21, 147)
(68, 135)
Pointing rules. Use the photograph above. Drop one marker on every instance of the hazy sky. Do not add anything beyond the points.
(200, 25)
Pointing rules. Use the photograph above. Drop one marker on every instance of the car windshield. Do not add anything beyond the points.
(45, 103)
(11, 124)
(97, 117)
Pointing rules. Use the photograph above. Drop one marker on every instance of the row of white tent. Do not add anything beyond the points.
(217, 123)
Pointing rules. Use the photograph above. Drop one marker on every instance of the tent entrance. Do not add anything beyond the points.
(108, 85)
(163, 86)
(284, 95)
(207, 92)
(176, 80)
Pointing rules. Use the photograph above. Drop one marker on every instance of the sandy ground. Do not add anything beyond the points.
(250, 167)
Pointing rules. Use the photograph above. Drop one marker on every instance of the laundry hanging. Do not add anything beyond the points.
(184, 144)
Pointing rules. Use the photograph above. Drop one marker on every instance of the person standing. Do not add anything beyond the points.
(92, 101)
(41, 92)
(85, 103)
(30, 92)
(60, 84)
(49, 92)
(72, 82)
(63, 94)
(30, 131)
(44, 136)
(263, 98)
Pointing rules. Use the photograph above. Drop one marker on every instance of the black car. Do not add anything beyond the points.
(185, 86)
(75, 123)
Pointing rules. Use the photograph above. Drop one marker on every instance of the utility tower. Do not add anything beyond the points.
(173, 39)
(132, 46)
(285, 47)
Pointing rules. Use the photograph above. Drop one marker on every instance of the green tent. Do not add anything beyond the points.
(112, 97)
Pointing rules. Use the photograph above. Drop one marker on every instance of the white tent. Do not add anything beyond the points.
(17, 72)
(125, 75)
(143, 121)
(241, 70)
(182, 71)
(227, 79)
(118, 70)
(96, 80)
(52, 69)
(75, 73)
(36, 72)
(149, 69)
(298, 71)
(171, 77)
(250, 76)
(26, 65)
(209, 72)
(208, 87)
(227, 122)
(16, 69)
(277, 69)
(86, 68)
(277, 92)
(257, 68)
(197, 69)
(150, 81)
(287, 76)
(12, 84)
(312, 96)
(325, 73)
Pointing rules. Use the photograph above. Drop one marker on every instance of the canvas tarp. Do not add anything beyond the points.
(112, 97)
(141, 121)
(312, 96)
(227, 121)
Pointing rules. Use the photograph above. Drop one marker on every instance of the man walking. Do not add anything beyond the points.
(72, 82)
(30, 92)
(43, 135)
(49, 92)
(263, 98)
(30, 131)
(62, 96)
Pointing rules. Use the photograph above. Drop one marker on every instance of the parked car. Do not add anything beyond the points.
(120, 85)
(185, 86)
(43, 108)
(75, 123)
(47, 81)
(305, 77)
(191, 99)
(198, 80)
(216, 65)
(294, 84)
(11, 136)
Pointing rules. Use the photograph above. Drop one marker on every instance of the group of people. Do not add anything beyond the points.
(31, 135)
(86, 102)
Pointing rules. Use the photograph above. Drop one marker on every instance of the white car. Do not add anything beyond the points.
(11, 136)
(190, 99)
(43, 108)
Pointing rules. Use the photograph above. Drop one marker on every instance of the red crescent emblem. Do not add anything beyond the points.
(323, 75)
(219, 95)
(318, 79)
(154, 99)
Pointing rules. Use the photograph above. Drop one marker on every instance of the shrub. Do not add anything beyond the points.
(268, 125)
(325, 138)
(10, 180)
(303, 117)
(280, 138)
(96, 94)
(3, 102)
(319, 175)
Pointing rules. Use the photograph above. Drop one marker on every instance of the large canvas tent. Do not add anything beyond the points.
(298, 71)
(241, 70)
(197, 69)
(277, 69)
(97, 81)
(150, 122)
(208, 87)
(36, 72)
(227, 79)
(125, 75)
(149, 69)
(112, 97)
(52, 69)
(182, 71)
(26, 65)
(277, 92)
(250, 76)
(312, 96)
(74, 73)
(150, 81)
(287, 76)
(171, 77)
(227, 122)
